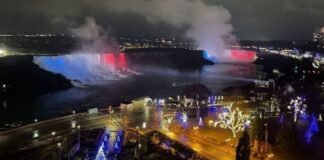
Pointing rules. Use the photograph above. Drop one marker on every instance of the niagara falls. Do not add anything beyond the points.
(85, 69)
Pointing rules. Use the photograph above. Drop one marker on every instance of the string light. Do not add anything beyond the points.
(234, 120)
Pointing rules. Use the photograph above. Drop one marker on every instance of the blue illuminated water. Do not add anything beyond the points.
(83, 68)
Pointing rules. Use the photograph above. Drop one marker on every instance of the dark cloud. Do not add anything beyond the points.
(275, 19)
(252, 19)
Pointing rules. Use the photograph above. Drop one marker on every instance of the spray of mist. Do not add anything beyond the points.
(208, 25)
(87, 65)
(93, 38)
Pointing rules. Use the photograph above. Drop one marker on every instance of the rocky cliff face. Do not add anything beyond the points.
(21, 76)
(181, 59)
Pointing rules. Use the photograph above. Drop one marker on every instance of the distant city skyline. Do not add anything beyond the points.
(251, 20)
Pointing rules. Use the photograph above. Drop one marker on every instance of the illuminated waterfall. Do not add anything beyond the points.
(85, 69)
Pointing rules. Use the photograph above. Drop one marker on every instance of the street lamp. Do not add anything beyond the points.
(73, 124)
(144, 125)
(35, 134)
(169, 120)
(59, 144)
(53, 135)
(35, 121)
(58, 150)
(210, 122)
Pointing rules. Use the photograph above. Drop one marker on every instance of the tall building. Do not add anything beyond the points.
(318, 35)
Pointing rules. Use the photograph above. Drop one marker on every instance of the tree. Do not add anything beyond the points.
(298, 107)
(234, 120)
(243, 147)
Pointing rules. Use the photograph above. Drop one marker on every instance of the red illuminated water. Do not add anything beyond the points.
(116, 60)
(243, 55)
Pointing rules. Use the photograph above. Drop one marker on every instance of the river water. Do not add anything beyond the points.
(155, 82)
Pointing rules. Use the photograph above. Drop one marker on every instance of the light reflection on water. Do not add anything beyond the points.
(157, 82)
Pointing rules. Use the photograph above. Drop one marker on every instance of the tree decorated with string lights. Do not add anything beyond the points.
(298, 106)
(233, 119)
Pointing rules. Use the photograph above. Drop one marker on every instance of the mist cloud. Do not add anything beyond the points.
(93, 38)
(94, 62)
(208, 25)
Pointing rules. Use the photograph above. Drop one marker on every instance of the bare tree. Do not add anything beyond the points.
(232, 119)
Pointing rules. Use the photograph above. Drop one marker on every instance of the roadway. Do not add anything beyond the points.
(202, 146)
(20, 138)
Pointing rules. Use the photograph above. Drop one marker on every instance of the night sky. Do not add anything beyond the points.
(251, 19)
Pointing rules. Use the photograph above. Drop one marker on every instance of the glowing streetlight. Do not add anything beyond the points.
(35, 134)
(320, 118)
(144, 125)
(53, 133)
(210, 122)
(59, 144)
(184, 117)
(2, 52)
(73, 124)
(200, 123)
(270, 156)
(169, 120)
